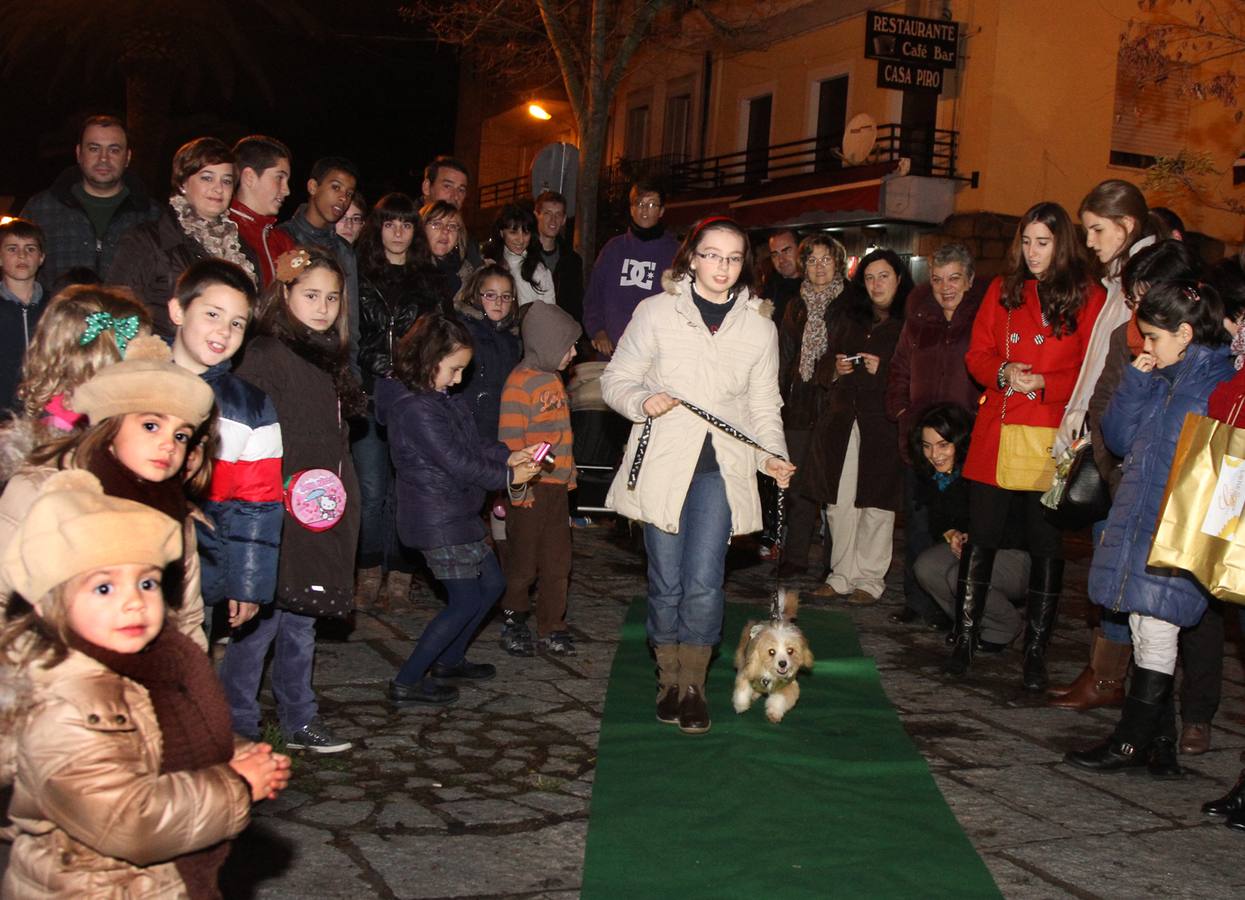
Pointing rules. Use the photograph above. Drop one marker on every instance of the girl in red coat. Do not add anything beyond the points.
(1028, 342)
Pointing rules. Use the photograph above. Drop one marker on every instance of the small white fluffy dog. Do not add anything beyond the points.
(769, 656)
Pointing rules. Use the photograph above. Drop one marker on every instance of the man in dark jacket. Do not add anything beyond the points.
(87, 209)
(558, 255)
(784, 282)
(928, 368)
(329, 192)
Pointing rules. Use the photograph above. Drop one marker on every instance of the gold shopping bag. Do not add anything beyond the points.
(1199, 527)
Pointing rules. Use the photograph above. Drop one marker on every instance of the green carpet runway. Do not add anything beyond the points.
(833, 802)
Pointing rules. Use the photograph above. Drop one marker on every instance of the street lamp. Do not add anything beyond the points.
(536, 111)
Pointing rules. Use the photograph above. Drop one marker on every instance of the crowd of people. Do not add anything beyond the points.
(223, 427)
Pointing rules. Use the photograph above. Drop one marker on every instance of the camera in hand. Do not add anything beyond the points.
(857, 361)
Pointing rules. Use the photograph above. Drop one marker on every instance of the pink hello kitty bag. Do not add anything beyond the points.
(316, 498)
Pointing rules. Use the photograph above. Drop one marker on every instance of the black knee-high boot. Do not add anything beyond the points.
(1045, 585)
(1164, 762)
(972, 586)
(1129, 745)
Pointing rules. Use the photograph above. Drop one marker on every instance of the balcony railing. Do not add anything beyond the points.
(931, 151)
(513, 190)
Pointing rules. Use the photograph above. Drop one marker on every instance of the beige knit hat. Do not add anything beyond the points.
(74, 527)
(146, 381)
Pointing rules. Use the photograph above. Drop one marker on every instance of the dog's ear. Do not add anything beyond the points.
(806, 653)
(755, 630)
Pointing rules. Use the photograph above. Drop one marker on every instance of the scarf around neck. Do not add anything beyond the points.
(196, 731)
(813, 343)
(217, 235)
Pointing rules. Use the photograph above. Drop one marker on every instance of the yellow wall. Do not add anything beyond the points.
(1033, 101)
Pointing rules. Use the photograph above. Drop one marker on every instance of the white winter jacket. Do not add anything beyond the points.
(732, 374)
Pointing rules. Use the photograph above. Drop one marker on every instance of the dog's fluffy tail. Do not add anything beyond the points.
(785, 605)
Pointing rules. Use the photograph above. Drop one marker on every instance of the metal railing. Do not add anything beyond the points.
(931, 151)
(512, 190)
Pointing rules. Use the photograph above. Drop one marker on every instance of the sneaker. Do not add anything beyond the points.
(516, 637)
(426, 690)
(580, 521)
(316, 737)
(558, 643)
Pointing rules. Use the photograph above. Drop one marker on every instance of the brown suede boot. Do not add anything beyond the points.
(1101, 683)
(667, 683)
(397, 591)
(693, 707)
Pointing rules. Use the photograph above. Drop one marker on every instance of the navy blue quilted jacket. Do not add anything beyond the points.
(1142, 425)
(444, 468)
(245, 499)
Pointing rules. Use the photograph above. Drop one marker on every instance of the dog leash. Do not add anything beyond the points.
(780, 500)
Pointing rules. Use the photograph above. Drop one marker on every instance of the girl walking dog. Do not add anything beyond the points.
(707, 340)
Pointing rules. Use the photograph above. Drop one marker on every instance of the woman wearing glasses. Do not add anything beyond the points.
(855, 467)
(349, 225)
(803, 341)
(708, 341)
(447, 240)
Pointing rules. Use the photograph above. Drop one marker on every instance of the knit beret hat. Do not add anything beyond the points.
(146, 381)
(74, 527)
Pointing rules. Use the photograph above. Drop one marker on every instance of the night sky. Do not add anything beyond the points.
(372, 88)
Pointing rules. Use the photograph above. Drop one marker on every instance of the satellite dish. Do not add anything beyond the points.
(859, 138)
(556, 168)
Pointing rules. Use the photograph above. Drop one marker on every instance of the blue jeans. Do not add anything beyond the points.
(685, 570)
(293, 639)
(446, 637)
(1114, 624)
(375, 472)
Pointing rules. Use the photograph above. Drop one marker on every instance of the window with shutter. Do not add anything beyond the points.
(1150, 119)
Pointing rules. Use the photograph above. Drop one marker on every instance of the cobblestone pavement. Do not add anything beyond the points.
(489, 798)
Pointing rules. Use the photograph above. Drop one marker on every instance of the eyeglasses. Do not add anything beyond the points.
(448, 227)
(819, 262)
(352, 220)
(647, 205)
(494, 297)
(715, 259)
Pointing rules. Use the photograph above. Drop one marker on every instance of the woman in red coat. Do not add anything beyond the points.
(1028, 342)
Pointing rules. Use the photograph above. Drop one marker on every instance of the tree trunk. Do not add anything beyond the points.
(148, 103)
(591, 158)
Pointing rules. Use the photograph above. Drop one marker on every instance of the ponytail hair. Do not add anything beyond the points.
(1170, 304)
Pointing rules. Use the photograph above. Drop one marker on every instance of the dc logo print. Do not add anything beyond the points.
(637, 273)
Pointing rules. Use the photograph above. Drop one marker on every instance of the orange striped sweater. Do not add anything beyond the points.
(535, 407)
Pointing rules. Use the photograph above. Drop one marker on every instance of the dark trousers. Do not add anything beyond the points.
(917, 539)
(539, 538)
(1201, 658)
(446, 637)
(803, 514)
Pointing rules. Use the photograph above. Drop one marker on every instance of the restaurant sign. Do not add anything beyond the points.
(924, 42)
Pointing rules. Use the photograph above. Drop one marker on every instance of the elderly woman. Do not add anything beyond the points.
(447, 236)
(195, 225)
(803, 341)
(854, 466)
(928, 369)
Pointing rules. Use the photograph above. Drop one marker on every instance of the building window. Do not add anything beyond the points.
(676, 138)
(636, 142)
(831, 122)
(1150, 118)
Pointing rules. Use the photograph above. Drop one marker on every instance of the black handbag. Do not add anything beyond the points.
(1079, 496)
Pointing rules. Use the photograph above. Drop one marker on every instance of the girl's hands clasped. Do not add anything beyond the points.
(266, 773)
